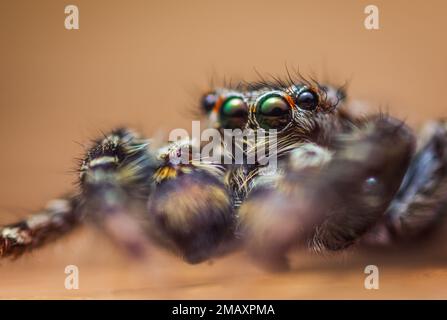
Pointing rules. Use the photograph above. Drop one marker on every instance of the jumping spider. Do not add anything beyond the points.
(341, 179)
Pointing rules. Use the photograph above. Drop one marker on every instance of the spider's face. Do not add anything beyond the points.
(292, 108)
(265, 108)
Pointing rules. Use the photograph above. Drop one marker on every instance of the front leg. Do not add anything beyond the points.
(114, 176)
(421, 202)
(190, 210)
(329, 206)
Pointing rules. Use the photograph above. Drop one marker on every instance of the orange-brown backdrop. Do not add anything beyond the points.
(144, 63)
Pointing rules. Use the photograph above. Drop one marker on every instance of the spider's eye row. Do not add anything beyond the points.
(273, 112)
(233, 113)
(307, 100)
(208, 102)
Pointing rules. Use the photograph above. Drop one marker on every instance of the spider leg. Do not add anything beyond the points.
(277, 213)
(115, 181)
(190, 208)
(329, 206)
(421, 202)
(58, 218)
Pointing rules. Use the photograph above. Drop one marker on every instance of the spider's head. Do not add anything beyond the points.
(284, 107)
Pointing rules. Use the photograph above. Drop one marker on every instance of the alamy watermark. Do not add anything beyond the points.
(72, 19)
(72, 279)
(372, 19)
(227, 146)
(372, 280)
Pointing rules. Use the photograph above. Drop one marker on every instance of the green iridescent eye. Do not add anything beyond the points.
(274, 112)
(233, 113)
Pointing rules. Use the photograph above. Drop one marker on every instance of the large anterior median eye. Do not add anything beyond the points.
(233, 113)
(273, 112)
(307, 100)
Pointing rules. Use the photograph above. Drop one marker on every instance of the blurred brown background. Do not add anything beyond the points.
(144, 64)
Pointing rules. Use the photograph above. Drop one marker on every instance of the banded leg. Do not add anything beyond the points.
(58, 218)
(115, 181)
(329, 206)
(114, 176)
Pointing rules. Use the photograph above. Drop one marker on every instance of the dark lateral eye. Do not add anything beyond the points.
(274, 112)
(307, 100)
(341, 94)
(208, 102)
(233, 113)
